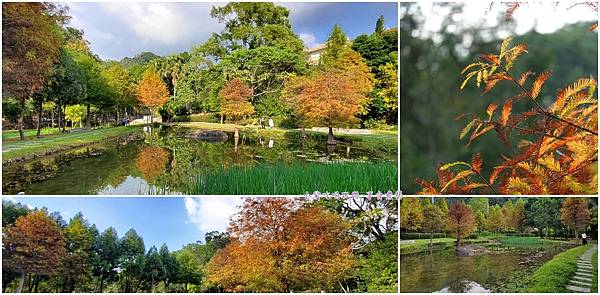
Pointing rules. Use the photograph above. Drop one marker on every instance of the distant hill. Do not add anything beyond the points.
(140, 59)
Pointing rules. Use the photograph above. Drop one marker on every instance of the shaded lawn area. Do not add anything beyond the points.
(299, 179)
(52, 143)
(10, 135)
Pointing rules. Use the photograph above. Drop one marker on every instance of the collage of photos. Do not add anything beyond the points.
(381, 147)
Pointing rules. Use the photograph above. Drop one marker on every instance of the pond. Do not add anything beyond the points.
(192, 161)
(445, 272)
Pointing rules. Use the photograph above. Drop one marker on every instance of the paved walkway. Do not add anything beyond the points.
(582, 280)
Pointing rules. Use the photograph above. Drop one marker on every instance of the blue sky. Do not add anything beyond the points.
(116, 30)
(173, 220)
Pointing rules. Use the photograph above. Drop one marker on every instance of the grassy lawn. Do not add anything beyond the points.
(9, 135)
(51, 143)
(555, 274)
(299, 179)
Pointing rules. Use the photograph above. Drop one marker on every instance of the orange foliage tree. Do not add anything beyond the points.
(33, 244)
(334, 96)
(574, 213)
(461, 222)
(283, 245)
(151, 162)
(152, 91)
(557, 147)
(236, 101)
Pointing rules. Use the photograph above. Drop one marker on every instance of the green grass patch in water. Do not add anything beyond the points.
(297, 179)
(526, 241)
(554, 275)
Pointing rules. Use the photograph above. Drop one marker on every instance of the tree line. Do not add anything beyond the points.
(271, 245)
(545, 217)
(256, 67)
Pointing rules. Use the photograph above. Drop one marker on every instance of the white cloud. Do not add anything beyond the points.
(167, 23)
(309, 40)
(211, 213)
(10, 198)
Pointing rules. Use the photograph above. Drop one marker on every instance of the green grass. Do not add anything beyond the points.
(14, 134)
(422, 245)
(526, 241)
(554, 275)
(298, 179)
(52, 143)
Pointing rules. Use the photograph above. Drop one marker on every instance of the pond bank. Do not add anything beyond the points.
(17, 151)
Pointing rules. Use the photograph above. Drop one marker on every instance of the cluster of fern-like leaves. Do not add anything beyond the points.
(557, 147)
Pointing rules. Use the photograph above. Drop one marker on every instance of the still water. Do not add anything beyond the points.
(445, 272)
(165, 161)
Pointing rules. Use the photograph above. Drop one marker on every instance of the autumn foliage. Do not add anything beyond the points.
(151, 162)
(33, 244)
(236, 100)
(282, 245)
(555, 146)
(152, 91)
(461, 223)
(574, 213)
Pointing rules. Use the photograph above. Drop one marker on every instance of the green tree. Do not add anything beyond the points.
(496, 221)
(379, 25)
(251, 25)
(190, 265)
(545, 214)
(433, 221)
(119, 80)
(169, 264)
(76, 265)
(108, 253)
(337, 45)
(411, 214)
(153, 267)
(132, 259)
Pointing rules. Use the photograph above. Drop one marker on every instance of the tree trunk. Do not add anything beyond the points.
(21, 115)
(151, 116)
(39, 122)
(59, 114)
(88, 120)
(21, 281)
(64, 118)
(101, 283)
(330, 138)
(52, 119)
(430, 240)
(303, 132)
(29, 283)
(236, 134)
(185, 288)
(117, 117)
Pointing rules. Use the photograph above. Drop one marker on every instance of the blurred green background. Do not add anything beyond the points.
(430, 98)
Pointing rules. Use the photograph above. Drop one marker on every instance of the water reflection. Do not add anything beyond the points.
(443, 271)
(165, 161)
